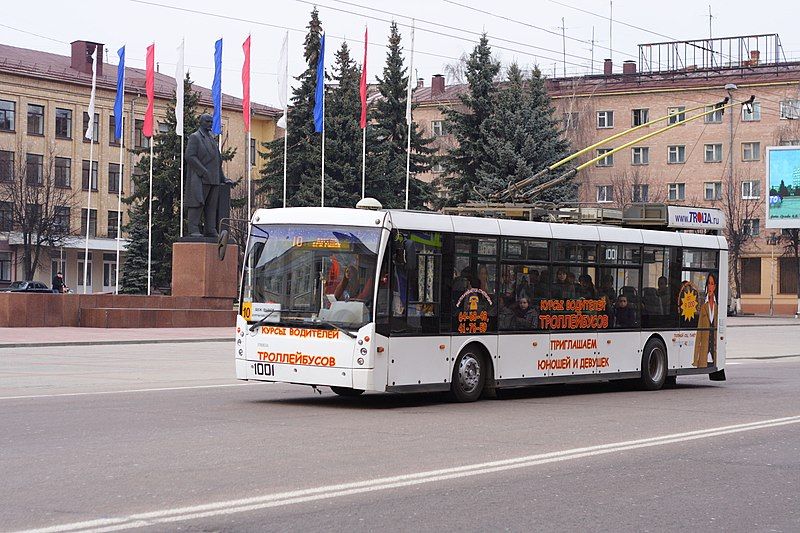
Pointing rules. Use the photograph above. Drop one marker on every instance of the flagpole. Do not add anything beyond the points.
(363, 161)
(180, 75)
(286, 118)
(322, 195)
(408, 114)
(249, 178)
(182, 184)
(88, 209)
(119, 192)
(150, 222)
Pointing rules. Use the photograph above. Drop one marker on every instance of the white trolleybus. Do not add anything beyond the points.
(382, 300)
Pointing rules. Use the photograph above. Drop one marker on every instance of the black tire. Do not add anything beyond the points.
(347, 392)
(671, 381)
(469, 376)
(654, 365)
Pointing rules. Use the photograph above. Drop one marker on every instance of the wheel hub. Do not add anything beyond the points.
(469, 373)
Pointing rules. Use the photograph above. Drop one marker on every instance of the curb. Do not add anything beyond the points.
(110, 342)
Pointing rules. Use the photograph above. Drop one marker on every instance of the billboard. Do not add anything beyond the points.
(783, 187)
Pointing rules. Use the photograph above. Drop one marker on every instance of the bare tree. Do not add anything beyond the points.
(38, 205)
(636, 185)
(739, 215)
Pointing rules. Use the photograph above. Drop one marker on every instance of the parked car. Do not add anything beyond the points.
(27, 286)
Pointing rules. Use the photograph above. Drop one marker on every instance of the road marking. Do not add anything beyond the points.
(180, 514)
(61, 395)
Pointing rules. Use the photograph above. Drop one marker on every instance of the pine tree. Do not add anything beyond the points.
(523, 138)
(343, 134)
(388, 137)
(304, 145)
(166, 200)
(462, 163)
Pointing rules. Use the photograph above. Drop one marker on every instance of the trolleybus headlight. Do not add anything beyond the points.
(241, 351)
(363, 351)
(360, 360)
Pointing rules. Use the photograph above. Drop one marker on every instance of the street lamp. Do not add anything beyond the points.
(772, 240)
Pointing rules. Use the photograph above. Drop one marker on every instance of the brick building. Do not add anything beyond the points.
(696, 163)
(43, 103)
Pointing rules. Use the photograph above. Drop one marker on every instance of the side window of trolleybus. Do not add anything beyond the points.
(416, 275)
(474, 286)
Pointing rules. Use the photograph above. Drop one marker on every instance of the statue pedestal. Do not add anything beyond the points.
(197, 270)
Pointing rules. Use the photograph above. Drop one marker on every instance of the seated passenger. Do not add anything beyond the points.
(562, 288)
(585, 287)
(624, 314)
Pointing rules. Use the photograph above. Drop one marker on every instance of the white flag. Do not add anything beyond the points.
(179, 76)
(283, 80)
(90, 128)
(410, 77)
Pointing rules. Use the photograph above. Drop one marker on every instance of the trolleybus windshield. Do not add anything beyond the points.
(312, 273)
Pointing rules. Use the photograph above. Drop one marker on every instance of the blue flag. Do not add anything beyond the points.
(319, 94)
(118, 102)
(216, 89)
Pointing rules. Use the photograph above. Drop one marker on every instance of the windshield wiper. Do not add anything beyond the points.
(334, 326)
(262, 321)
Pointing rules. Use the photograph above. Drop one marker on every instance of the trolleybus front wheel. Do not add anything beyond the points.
(469, 376)
(654, 365)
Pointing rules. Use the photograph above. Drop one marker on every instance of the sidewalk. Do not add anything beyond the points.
(63, 336)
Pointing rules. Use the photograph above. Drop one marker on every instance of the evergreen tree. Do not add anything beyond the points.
(461, 164)
(166, 200)
(387, 139)
(304, 145)
(343, 134)
(523, 138)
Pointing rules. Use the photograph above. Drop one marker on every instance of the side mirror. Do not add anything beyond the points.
(222, 244)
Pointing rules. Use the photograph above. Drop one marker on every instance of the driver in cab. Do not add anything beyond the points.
(352, 287)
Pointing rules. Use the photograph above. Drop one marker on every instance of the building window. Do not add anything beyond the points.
(437, 128)
(607, 161)
(605, 119)
(676, 114)
(437, 167)
(5, 266)
(713, 153)
(751, 151)
(790, 109)
(95, 126)
(787, 267)
(570, 121)
(81, 256)
(7, 115)
(35, 119)
(751, 226)
(113, 178)
(751, 275)
(85, 175)
(6, 216)
(140, 140)
(640, 116)
(34, 169)
(112, 224)
(63, 172)
(713, 191)
(715, 117)
(6, 165)
(641, 193)
(640, 155)
(605, 194)
(751, 190)
(163, 128)
(63, 123)
(677, 191)
(789, 142)
(253, 152)
(109, 271)
(676, 154)
(752, 112)
(112, 131)
(61, 219)
(92, 223)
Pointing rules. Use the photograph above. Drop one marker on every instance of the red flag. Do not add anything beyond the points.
(246, 84)
(147, 129)
(363, 87)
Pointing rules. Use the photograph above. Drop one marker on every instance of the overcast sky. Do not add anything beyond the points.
(445, 31)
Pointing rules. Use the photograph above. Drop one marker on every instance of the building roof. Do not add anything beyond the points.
(641, 82)
(55, 67)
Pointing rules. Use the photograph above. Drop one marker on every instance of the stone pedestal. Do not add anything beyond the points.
(197, 270)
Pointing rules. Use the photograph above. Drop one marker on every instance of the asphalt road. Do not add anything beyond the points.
(159, 437)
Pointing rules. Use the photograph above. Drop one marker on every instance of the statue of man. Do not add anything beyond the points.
(203, 180)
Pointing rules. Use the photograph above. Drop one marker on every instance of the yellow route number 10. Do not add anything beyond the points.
(247, 310)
